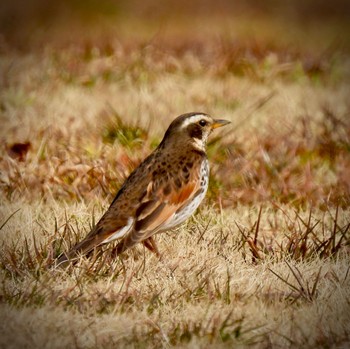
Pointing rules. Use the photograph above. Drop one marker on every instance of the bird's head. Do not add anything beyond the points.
(192, 128)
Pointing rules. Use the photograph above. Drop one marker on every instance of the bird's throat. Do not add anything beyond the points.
(198, 144)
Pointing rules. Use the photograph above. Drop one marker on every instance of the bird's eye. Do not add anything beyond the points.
(202, 123)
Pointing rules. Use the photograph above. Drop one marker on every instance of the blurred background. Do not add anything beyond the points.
(23, 21)
(115, 73)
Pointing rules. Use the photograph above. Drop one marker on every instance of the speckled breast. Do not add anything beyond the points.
(186, 211)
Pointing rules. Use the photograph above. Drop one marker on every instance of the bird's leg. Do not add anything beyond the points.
(123, 245)
(117, 250)
(151, 245)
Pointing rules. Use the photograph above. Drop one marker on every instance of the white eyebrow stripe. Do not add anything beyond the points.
(193, 119)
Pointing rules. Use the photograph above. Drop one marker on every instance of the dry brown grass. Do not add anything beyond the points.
(265, 261)
(208, 290)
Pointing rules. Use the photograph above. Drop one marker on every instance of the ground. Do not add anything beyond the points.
(86, 95)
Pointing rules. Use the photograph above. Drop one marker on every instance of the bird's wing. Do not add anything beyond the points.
(119, 219)
(159, 207)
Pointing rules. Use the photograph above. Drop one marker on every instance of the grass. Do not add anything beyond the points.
(265, 261)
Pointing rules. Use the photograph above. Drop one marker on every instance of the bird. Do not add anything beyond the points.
(160, 194)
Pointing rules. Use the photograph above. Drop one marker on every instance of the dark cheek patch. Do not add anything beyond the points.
(195, 131)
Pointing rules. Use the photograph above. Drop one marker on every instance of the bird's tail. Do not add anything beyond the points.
(82, 248)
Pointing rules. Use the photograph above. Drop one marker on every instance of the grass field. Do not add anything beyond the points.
(85, 96)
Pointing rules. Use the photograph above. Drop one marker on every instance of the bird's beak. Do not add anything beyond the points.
(219, 123)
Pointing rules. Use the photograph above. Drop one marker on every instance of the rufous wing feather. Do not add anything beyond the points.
(157, 212)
